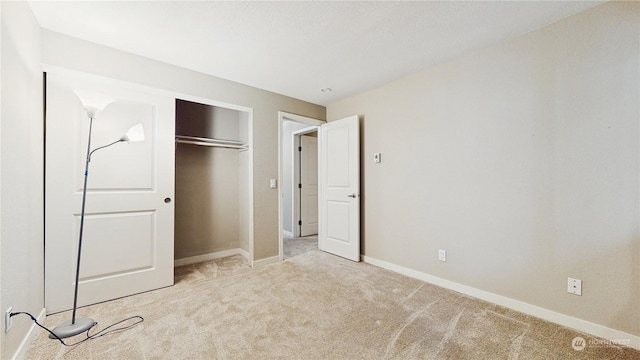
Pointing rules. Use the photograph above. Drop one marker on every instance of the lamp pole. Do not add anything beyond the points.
(73, 327)
(84, 201)
(92, 103)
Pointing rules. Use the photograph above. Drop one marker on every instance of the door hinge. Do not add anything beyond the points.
(299, 186)
(299, 222)
(299, 148)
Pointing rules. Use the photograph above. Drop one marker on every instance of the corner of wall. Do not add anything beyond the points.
(21, 174)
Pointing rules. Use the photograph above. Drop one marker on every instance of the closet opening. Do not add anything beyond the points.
(213, 209)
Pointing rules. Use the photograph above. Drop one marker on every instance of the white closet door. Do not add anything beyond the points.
(128, 230)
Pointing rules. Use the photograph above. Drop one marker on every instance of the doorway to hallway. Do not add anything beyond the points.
(298, 191)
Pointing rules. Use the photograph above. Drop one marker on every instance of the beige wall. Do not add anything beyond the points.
(76, 54)
(21, 172)
(522, 161)
(207, 200)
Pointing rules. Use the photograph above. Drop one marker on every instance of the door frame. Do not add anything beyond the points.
(282, 117)
(296, 201)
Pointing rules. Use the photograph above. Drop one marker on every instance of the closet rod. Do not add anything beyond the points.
(192, 140)
(201, 143)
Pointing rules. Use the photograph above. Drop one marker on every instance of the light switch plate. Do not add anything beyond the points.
(377, 157)
(442, 255)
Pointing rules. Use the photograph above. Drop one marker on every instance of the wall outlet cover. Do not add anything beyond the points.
(574, 286)
(7, 319)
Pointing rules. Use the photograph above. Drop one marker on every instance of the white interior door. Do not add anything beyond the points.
(128, 231)
(339, 189)
(309, 182)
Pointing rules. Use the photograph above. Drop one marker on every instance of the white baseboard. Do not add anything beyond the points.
(287, 233)
(21, 352)
(267, 261)
(552, 316)
(210, 256)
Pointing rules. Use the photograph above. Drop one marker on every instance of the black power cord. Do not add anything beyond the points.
(100, 333)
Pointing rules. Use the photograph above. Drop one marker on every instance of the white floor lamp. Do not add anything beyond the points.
(93, 103)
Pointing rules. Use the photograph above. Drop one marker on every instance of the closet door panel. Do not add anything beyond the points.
(128, 230)
(117, 230)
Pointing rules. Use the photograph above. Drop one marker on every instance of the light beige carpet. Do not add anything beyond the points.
(297, 246)
(315, 306)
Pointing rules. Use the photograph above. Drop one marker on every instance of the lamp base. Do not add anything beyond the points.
(67, 329)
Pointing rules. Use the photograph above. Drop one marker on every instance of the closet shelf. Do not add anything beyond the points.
(192, 140)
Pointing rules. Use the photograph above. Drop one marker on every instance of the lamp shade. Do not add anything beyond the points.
(93, 102)
(135, 133)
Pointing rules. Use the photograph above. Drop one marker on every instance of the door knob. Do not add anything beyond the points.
(167, 200)
(354, 195)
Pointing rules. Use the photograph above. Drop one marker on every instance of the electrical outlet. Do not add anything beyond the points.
(574, 286)
(442, 255)
(7, 319)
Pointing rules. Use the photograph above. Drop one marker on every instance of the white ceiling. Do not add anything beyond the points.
(298, 48)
